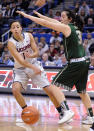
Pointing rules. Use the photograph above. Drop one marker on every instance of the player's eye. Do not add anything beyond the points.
(18, 27)
(13, 27)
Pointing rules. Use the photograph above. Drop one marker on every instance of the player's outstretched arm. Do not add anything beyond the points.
(45, 17)
(60, 27)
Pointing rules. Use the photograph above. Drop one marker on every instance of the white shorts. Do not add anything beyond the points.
(22, 75)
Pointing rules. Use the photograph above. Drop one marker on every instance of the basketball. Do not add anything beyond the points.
(40, 3)
(30, 115)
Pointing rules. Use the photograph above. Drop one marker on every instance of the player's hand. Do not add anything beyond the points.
(22, 13)
(35, 12)
(36, 70)
(27, 54)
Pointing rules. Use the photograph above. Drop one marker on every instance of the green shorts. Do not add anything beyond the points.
(73, 74)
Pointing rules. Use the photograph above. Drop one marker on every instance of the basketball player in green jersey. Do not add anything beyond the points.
(76, 72)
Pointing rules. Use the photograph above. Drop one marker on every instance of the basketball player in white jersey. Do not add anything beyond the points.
(25, 52)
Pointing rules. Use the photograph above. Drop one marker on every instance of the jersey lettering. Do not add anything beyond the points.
(79, 36)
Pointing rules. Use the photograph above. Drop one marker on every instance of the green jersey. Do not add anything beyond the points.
(73, 44)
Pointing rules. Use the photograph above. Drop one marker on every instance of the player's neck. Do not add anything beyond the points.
(18, 38)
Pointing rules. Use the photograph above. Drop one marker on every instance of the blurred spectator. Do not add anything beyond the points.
(45, 61)
(82, 15)
(91, 49)
(1, 48)
(57, 61)
(42, 31)
(18, 3)
(33, 25)
(2, 22)
(0, 7)
(89, 38)
(6, 60)
(77, 6)
(57, 15)
(61, 50)
(13, 10)
(44, 45)
(5, 50)
(39, 48)
(50, 13)
(50, 3)
(90, 24)
(31, 4)
(4, 4)
(92, 60)
(63, 60)
(91, 15)
(84, 7)
(24, 5)
(60, 61)
(57, 46)
(87, 43)
(7, 12)
(36, 40)
(55, 37)
(52, 50)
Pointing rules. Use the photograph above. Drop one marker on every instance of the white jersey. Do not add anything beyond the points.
(22, 47)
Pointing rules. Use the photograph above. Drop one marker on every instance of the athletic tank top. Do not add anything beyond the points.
(73, 44)
(22, 47)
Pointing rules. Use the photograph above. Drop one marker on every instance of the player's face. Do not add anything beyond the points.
(16, 29)
(64, 18)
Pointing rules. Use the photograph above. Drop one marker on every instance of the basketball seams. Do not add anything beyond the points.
(30, 115)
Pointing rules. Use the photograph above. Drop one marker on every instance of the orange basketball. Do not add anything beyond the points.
(30, 115)
(40, 3)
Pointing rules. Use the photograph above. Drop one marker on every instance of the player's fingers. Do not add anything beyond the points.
(18, 12)
(35, 12)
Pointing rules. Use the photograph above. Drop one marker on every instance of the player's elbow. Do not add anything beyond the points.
(37, 54)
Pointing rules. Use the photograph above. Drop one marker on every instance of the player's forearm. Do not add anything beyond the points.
(34, 55)
(24, 63)
(47, 18)
(37, 20)
(43, 22)
(28, 65)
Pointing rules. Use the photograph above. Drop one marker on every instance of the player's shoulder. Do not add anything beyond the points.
(11, 39)
(27, 34)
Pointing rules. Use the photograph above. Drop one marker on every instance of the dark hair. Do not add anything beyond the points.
(13, 21)
(91, 48)
(76, 19)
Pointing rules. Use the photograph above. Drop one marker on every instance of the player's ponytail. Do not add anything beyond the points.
(75, 19)
(79, 22)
